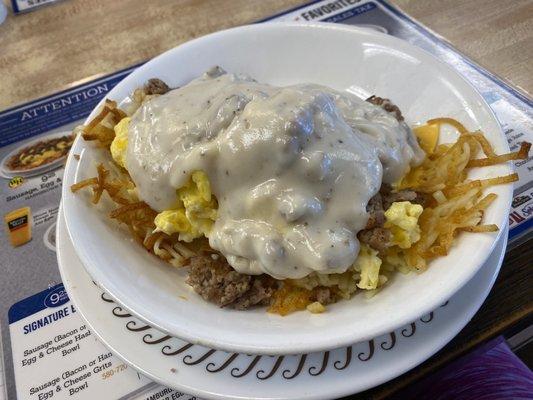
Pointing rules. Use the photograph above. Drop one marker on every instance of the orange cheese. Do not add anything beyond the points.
(19, 226)
(428, 136)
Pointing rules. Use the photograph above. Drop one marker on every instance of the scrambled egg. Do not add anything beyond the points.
(196, 208)
(368, 264)
(395, 259)
(196, 212)
(119, 144)
(402, 221)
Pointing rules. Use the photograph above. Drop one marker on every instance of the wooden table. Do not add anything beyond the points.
(76, 40)
(56, 46)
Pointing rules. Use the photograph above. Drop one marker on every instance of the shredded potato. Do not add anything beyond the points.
(289, 299)
(136, 215)
(459, 204)
(449, 121)
(101, 127)
(316, 308)
(493, 160)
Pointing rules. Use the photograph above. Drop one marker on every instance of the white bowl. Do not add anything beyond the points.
(344, 58)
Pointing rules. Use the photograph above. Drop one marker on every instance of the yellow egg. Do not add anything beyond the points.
(172, 221)
(395, 260)
(119, 144)
(402, 221)
(368, 264)
(195, 213)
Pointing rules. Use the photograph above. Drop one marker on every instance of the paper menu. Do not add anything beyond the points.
(55, 354)
(30, 268)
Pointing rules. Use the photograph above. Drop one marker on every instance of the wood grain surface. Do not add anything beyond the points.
(496, 34)
(57, 46)
(76, 40)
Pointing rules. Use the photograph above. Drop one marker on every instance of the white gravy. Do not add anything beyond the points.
(292, 167)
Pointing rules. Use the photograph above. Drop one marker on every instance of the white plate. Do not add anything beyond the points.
(216, 374)
(342, 57)
(10, 173)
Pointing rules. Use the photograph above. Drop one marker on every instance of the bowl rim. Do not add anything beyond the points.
(324, 344)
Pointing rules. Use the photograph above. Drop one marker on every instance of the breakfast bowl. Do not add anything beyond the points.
(358, 61)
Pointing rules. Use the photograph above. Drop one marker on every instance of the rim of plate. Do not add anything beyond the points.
(347, 386)
(446, 290)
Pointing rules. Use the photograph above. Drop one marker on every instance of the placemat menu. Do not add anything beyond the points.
(48, 351)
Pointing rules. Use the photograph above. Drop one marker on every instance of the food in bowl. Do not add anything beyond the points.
(40, 153)
(292, 197)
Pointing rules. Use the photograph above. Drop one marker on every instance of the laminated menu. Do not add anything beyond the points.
(48, 350)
